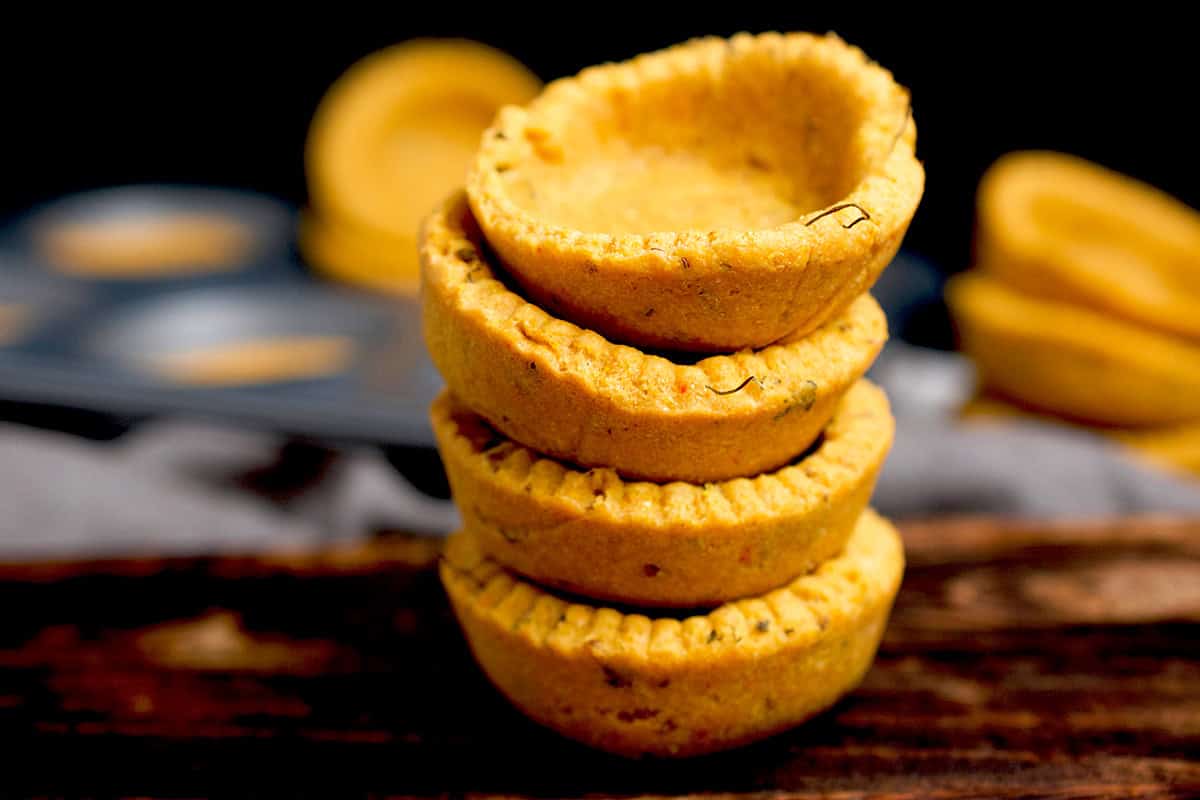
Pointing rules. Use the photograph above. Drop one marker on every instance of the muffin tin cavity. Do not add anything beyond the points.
(244, 336)
(151, 233)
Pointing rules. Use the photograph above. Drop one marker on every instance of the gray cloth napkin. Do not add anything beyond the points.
(1021, 467)
(174, 487)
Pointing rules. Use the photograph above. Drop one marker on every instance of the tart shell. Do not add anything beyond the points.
(396, 133)
(663, 545)
(1062, 228)
(1073, 361)
(712, 196)
(633, 685)
(573, 395)
(361, 257)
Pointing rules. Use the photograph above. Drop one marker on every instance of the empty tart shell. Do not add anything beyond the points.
(396, 133)
(573, 395)
(678, 544)
(1065, 229)
(1072, 361)
(665, 686)
(360, 256)
(716, 195)
(1176, 447)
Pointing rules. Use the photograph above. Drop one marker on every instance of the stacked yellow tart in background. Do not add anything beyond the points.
(1084, 303)
(390, 139)
(650, 309)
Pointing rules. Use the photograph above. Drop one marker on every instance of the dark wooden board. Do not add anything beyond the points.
(1023, 660)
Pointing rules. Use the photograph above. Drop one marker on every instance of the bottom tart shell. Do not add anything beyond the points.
(677, 544)
(1072, 361)
(633, 685)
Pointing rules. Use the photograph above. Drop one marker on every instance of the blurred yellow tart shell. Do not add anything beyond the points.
(634, 685)
(677, 544)
(1064, 229)
(573, 395)
(1073, 361)
(1176, 448)
(395, 134)
(360, 256)
(717, 195)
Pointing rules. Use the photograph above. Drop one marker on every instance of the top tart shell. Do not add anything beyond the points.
(577, 397)
(716, 195)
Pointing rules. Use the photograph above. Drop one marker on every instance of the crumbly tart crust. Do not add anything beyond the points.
(1062, 228)
(1073, 361)
(716, 195)
(678, 544)
(575, 396)
(633, 685)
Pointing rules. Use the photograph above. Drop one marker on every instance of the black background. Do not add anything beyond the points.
(212, 97)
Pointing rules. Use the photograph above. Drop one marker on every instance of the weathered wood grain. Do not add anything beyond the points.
(1023, 660)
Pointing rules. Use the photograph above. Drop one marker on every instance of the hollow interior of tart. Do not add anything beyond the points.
(698, 152)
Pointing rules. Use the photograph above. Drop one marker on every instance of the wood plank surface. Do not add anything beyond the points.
(1023, 660)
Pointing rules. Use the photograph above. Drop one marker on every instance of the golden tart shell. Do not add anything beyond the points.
(1072, 361)
(716, 195)
(575, 396)
(1061, 228)
(634, 685)
(678, 544)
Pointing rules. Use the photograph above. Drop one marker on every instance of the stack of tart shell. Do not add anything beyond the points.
(1083, 305)
(661, 444)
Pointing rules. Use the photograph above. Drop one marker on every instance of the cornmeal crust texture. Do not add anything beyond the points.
(1175, 448)
(571, 394)
(1072, 361)
(1065, 229)
(678, 544)
(394, 136)
(633, 685)
(716, 195)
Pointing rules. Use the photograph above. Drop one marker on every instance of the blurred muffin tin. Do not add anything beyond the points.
(97, 341)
